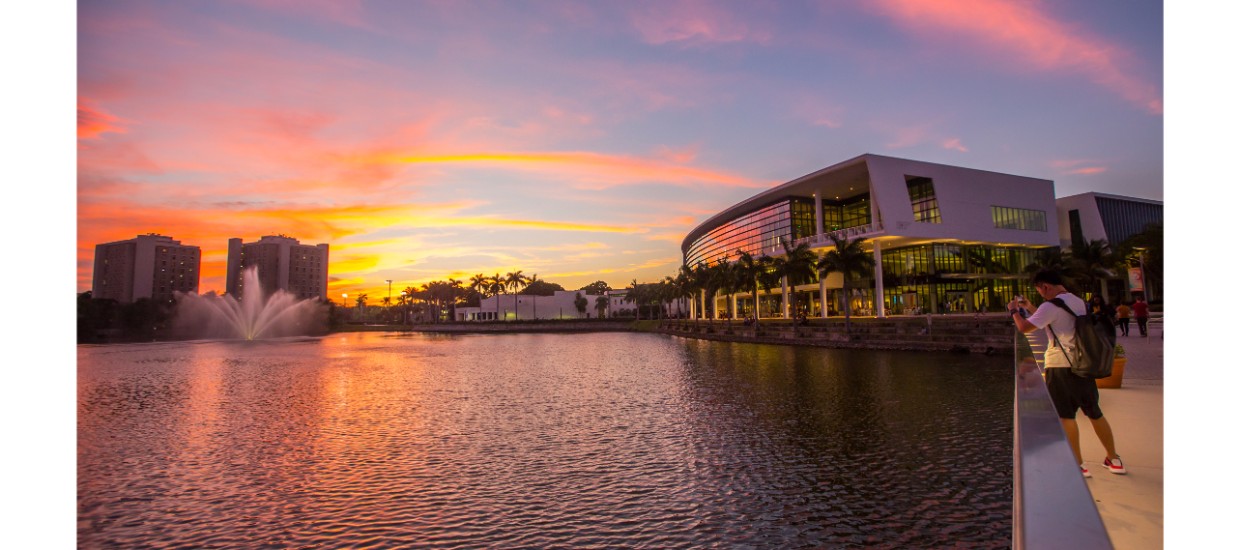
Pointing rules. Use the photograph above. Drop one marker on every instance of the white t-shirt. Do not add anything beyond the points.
(1050, 316)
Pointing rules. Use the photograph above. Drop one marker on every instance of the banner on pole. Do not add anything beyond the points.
(1135, 282)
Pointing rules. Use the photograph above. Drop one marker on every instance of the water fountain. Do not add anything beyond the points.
(251, 317)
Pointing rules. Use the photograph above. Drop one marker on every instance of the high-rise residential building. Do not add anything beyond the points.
(147, 266)
(283, 264)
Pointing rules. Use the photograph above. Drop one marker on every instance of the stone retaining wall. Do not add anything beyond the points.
(959, 333)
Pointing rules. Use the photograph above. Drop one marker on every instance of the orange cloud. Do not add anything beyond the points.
(92, 121)
(1023, 30)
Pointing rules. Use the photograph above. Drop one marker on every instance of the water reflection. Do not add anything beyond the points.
(536, 440)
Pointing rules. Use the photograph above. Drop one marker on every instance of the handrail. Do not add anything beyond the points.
(854, 232)
(1051, 505)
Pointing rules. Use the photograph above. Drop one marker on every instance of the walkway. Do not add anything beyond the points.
(1131, 505)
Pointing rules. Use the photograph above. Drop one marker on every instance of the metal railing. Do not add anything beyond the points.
(1051, 505)
(859, 231)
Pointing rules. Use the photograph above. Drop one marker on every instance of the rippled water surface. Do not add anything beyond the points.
(599, 440)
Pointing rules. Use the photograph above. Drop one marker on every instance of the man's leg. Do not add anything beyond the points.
(1074, 436)
(1103, 429)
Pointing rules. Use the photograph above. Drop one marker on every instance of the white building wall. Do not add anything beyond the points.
(964, 196)
(1091, 220)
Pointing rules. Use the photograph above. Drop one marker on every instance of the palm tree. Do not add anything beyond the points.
(684, 286)
(580, 303)
(768, 277)
(406, 297)
(747, 271)
(600, 305)
(478, 283)
(361, 305)
(847, 258)
(635, 296)
(495, 285)
(796, 266)
(515, 280)
(714, 278)
(455, 290)
(1093, 262)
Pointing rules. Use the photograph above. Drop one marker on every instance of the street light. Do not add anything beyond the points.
(1145, 285)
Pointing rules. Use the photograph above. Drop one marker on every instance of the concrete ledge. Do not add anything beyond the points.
(987, 334)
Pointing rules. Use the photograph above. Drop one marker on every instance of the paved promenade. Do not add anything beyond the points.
(1131, 505)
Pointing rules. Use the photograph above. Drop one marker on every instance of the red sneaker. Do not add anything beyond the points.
(1116, 466)
(1085, 471)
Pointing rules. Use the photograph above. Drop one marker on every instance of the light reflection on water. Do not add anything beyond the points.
(609, 439)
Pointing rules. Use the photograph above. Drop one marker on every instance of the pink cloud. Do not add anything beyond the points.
(954, 143)
(350, 13)
(1023, 31)
(1078, 166)
(908, 137)
(694, 23)
(682, 155)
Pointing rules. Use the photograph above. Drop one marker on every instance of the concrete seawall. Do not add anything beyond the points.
(988, 333)
(500, 327)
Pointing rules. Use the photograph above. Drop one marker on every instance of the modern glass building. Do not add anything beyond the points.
(944, 238)
(1097, 216)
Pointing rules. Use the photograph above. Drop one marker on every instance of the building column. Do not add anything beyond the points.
(822, 294)
(733, 298)
(783, 307)
(818, 225)
(878, 280)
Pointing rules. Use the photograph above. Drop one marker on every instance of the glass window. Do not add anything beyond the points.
(1006, 217)
(921, 195)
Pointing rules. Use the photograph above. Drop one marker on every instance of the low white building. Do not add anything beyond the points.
(561, 305)
(513, 307)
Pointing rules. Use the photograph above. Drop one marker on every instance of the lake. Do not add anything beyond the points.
(539, 440)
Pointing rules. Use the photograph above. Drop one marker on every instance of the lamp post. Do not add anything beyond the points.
(344, 299)
(1145, 285)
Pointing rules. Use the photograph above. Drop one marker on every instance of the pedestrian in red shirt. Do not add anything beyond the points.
(1141, 311)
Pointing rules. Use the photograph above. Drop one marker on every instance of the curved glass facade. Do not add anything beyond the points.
(760, 230)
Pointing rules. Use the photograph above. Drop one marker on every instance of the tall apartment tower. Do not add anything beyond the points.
(148, 266)
(283, 264)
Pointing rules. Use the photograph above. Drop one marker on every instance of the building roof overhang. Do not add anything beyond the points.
(832, 181)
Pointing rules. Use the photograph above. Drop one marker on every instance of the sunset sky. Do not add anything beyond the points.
(575, 140)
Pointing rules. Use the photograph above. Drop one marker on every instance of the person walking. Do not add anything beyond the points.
(1123, 315)
(1069, 392)
(1141, 311)
(1101, 310)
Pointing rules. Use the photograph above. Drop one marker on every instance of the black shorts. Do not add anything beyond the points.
(1070, 392)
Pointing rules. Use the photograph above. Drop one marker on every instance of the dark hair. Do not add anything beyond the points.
(1048, 276)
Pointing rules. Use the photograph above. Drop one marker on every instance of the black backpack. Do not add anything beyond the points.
(1094, 352)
